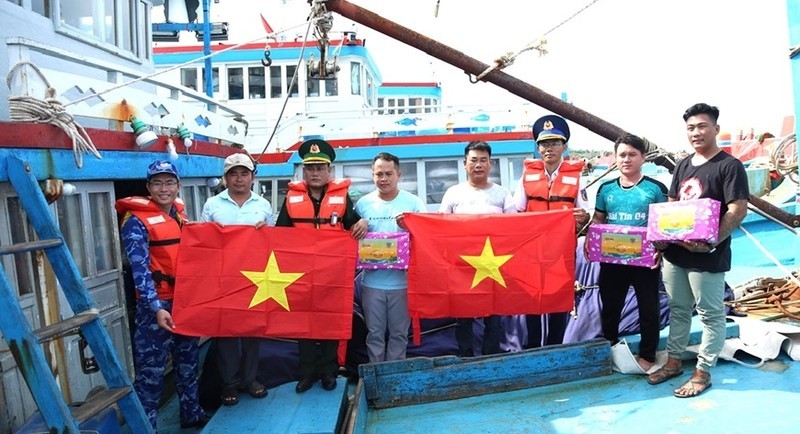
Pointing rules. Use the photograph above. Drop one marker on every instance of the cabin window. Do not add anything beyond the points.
(194, 195)
(275, 82)
(187, 195)
(408, 177)
(112, 22)
(313, 88)
(294, 91)
(360, 176)
(274, 190)
(355, 78)
(332, 87)
(515, 168)
(370, 88)
(427, 105)
(189, 78)
(22, 232)
(415, 105)
(255, 82)
(494, 173)
(235, 83)
(439, 176)
(390, 103)
(69, 209)
(100, 216)
(401, 102)
(380, 105)
(214, 79)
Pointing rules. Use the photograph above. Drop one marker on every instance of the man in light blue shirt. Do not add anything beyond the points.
(385, 292)
(237, 358)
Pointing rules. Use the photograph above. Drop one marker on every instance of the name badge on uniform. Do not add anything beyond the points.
(569, 180)
(336, 200)
(533, 177)
(295, 199)
(156, 220)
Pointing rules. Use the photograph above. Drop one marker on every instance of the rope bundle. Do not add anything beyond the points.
(26, 108)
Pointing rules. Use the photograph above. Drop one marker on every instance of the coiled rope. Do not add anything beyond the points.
(25, 108)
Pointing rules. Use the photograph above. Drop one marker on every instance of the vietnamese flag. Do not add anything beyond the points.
(273, 281)
(466, 265)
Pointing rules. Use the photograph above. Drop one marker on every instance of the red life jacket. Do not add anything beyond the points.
(164, 234)
(561, 194)
(301, 209)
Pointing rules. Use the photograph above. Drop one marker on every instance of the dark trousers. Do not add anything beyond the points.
(237, 359)
(614, 282)
(546, 329)
(314, 364)
(492, 330)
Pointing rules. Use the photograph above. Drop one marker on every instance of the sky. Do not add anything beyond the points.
(637, 64)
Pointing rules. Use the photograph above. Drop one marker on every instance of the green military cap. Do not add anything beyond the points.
(316, 151)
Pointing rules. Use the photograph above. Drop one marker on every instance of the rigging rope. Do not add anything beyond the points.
(25, 108)
(288, 92)
(508, 58)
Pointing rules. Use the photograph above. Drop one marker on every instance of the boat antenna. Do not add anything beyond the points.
(508, 58)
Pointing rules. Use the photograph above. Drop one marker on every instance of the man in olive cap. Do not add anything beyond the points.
(322, 203)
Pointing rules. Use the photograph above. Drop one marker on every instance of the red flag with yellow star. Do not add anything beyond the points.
(478, 265)
(269, 282)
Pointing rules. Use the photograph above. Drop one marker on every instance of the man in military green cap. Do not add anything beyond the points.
(320, 202)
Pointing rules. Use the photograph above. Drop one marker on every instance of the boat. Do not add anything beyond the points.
(85, 63)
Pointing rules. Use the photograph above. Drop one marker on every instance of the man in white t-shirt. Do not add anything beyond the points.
(478, 196)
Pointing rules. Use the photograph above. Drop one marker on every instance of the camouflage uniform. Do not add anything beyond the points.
(152, 343)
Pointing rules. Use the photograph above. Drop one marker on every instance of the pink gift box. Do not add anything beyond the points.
(619, 244)
(684, 220)
(383, 250)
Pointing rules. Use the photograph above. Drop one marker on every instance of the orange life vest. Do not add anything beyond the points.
(560, 195)
(301, 209)
(164, 235)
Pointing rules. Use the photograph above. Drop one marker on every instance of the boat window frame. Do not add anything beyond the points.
(128, 17)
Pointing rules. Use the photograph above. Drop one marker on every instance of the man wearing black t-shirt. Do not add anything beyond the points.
(694, 272)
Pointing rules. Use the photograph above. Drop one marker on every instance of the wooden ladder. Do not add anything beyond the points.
(25, 343)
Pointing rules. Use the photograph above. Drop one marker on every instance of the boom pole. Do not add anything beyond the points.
(475, 67)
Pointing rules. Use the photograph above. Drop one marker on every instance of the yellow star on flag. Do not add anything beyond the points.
(487, 265)
(271, 283)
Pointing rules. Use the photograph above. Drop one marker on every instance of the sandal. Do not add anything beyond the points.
(663, 374)
(256, 389)
(230, 395)
(693, 387)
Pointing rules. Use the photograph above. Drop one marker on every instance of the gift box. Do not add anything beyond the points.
(618, 244)
(684, 220)
(383, 250)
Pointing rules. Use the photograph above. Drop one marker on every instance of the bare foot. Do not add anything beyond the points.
(644, 364)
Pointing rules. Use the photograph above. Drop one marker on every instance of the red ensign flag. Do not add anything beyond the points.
(477, 265)
(272, 281)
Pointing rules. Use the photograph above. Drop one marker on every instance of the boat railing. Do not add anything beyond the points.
(370, 122)
(117, 91)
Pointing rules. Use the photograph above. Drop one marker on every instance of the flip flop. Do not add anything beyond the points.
(694, 386)
(256, 389)
(663, 374)
(230, 396)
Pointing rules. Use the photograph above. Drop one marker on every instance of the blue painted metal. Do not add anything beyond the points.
(115, 165)
(16, 330)
(695, 333)
(423, 380)
(284, 411)
(742, 400)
